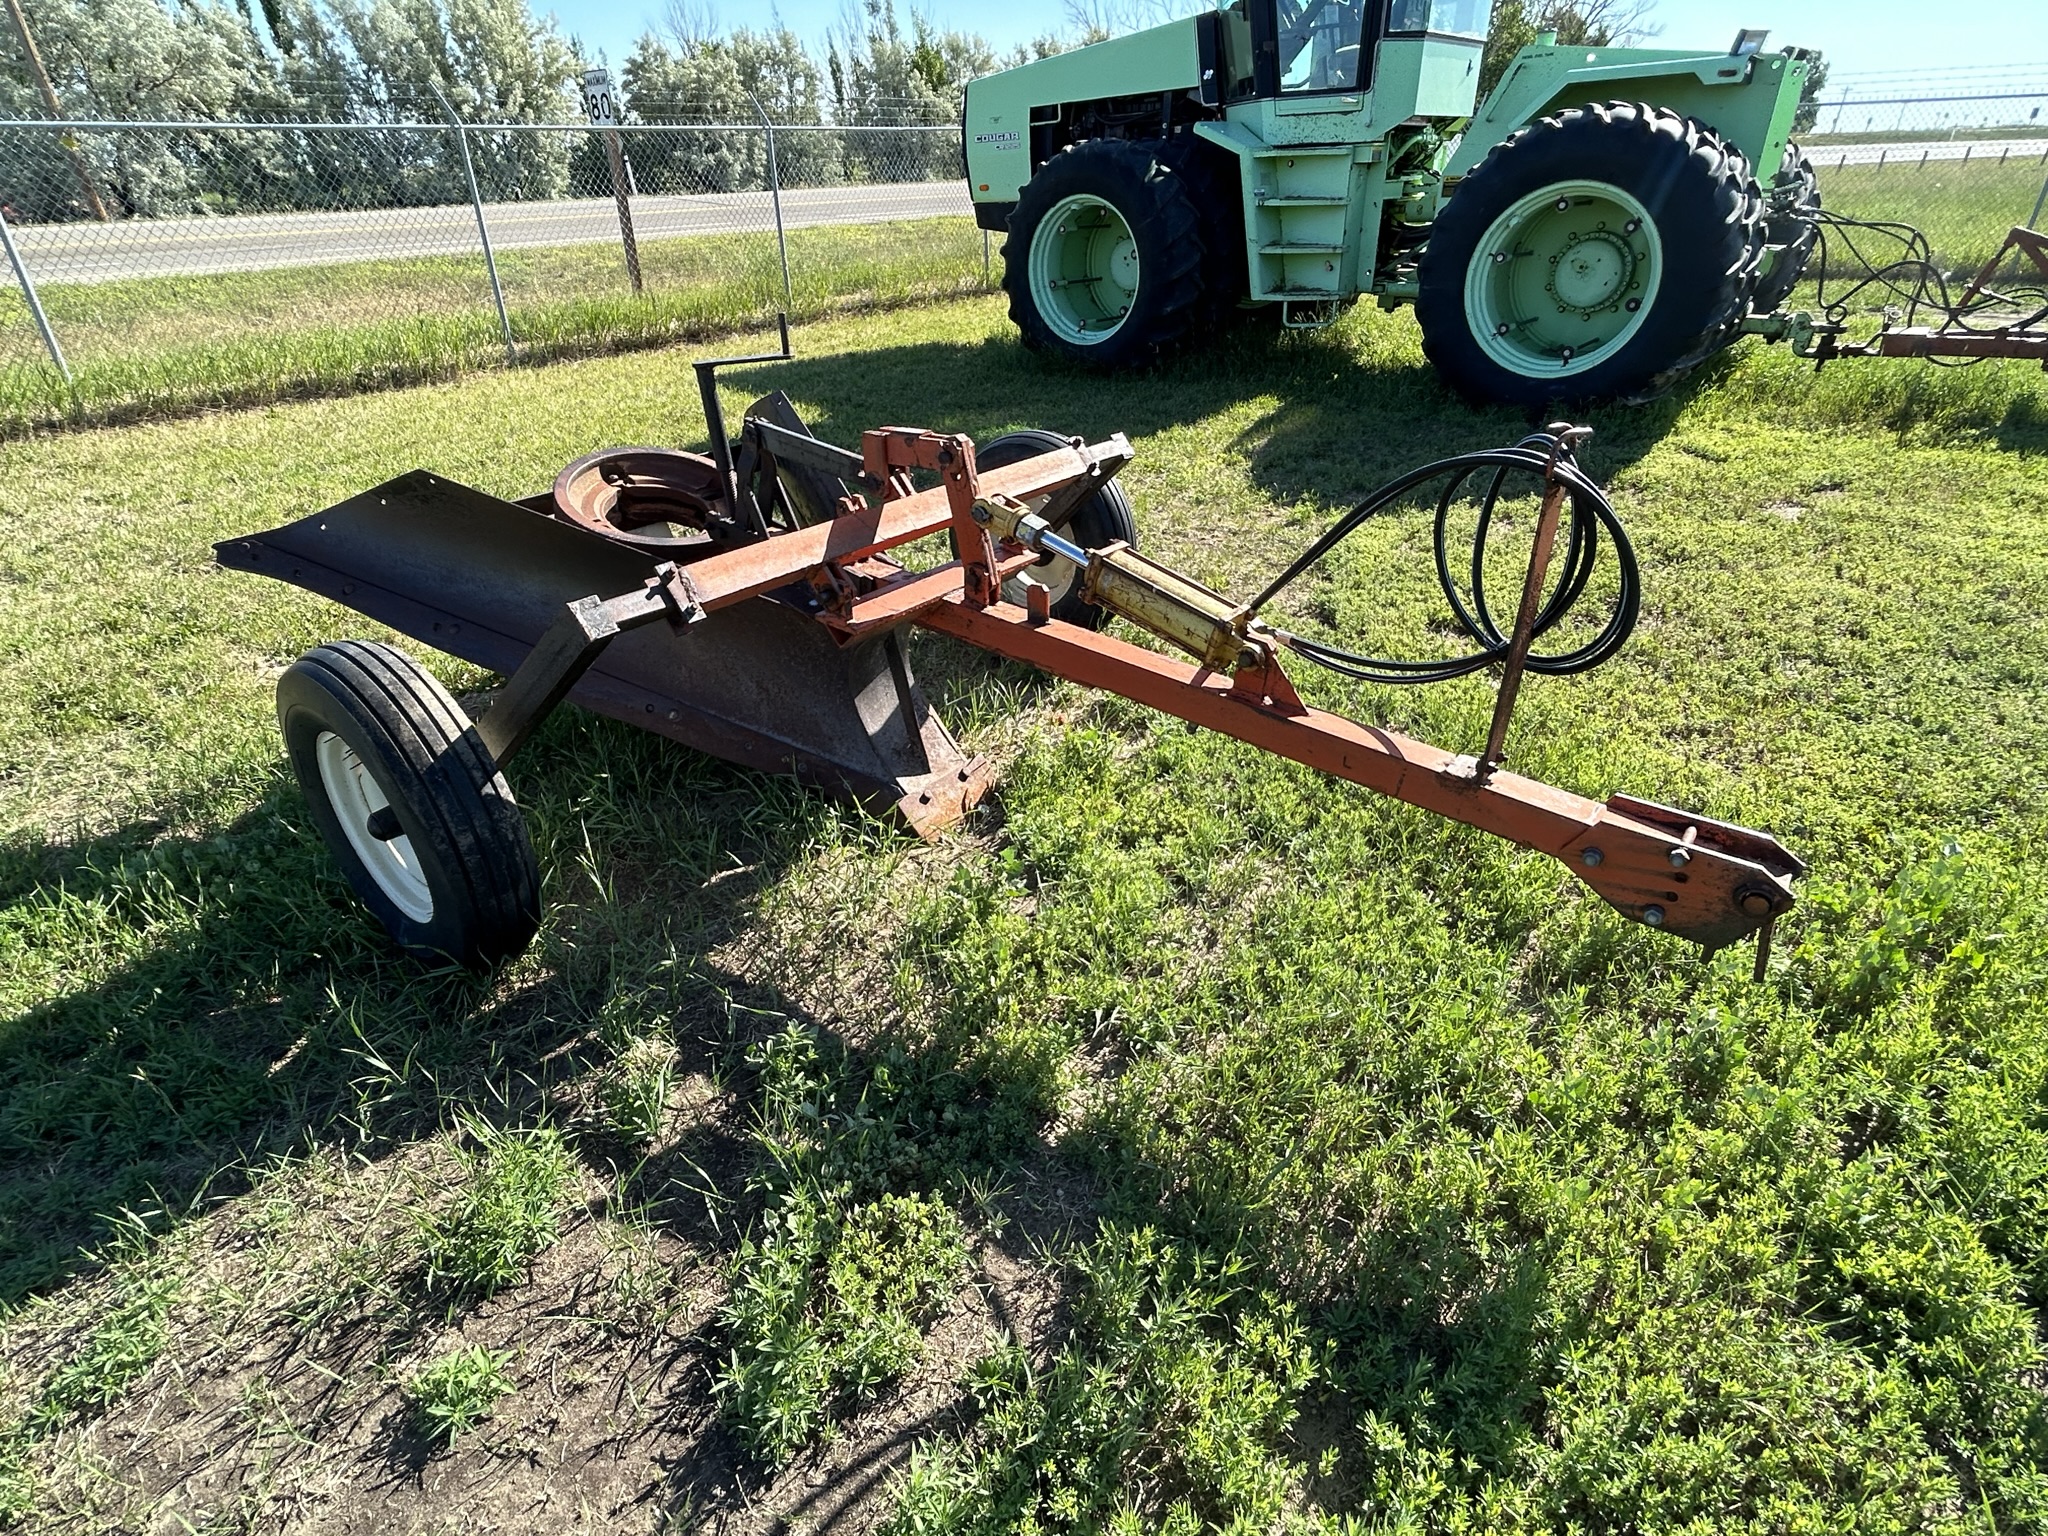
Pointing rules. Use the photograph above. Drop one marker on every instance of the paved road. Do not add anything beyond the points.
(2020, 151)
(98, 253)
(89, 253)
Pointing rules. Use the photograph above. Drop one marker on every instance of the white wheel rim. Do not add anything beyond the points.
(356, 796)
(1057, 574)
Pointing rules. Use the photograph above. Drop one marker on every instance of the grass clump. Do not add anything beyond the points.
(506, 1212)
(634, 1092)
(1167, 1411)
(118, 1352)
(856, 1254)
(826, 1309)
(455, 1393)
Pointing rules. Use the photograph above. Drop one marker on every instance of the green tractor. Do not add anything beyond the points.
(1592, 231)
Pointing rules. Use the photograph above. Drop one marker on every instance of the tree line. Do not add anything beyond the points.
(374, 63)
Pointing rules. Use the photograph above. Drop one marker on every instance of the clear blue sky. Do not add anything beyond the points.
(1862, 37)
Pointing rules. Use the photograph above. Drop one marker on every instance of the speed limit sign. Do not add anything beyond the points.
(598, 101)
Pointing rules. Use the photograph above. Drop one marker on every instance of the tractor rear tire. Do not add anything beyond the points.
(1215, 184)
(410, 803)
(1104, 518)
(1599, 254)
(1791, 220)
(1104, 259)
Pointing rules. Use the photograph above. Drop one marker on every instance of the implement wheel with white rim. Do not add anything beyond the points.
(1104, 518)
(1103, 263)
(410, 803)
(1600, 254)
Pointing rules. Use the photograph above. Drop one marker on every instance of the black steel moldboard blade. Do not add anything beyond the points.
(759, 683)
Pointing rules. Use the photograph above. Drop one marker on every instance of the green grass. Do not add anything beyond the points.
(505, 1212)
(1964, 208)
(456, 1392)
(1189, 1141)
(163, 346)
(157, 346)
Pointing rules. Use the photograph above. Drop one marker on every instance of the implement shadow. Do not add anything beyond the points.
(1325, 416)
(229, 1000)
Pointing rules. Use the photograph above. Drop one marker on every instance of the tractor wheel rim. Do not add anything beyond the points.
(1561, 280)
(356, 796)
(1084, 270)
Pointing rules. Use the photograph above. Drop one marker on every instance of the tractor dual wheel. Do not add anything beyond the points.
(1104, 260)
(410, 803)
(1791, 222)
(1104, 518)
(1600, 254)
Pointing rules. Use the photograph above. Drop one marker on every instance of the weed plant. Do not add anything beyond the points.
(506, 1211)
(829, 1298)
(456, 1392)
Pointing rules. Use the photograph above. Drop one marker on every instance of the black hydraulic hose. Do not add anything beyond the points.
(1543, 456)
(1911, 281)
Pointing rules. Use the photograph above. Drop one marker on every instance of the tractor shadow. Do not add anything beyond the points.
(1310, 417)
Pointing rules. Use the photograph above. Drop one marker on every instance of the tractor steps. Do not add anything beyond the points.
(1301, 201)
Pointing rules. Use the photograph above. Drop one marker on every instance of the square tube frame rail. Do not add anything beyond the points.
(1708, 881)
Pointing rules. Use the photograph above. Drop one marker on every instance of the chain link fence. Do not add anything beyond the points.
(190, 262)
(194, 263)
(1962, 169)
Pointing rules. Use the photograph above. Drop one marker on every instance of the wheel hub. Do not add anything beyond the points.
(357, 797)
(1593, 272)
(1084, 270)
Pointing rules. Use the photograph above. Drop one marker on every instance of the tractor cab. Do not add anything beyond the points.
(1298, 50)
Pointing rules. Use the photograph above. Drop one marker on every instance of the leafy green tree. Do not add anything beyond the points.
(1808, 112)
(883, 78)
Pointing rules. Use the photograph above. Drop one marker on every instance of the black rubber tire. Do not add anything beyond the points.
(1708, 211)
(1213, 180)
(1104, 518)
(1792, 220)
(1157, 204)
(452, 804)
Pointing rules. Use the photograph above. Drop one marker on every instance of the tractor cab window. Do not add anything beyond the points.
(1446, 18)
(1320, 44)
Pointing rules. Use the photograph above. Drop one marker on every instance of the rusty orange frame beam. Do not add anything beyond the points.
(1714, 887)
(1703, 880)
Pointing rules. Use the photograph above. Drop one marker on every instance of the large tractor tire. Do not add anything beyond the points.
(1791, 220)
(1212, 178)
(1600, 254)
(1103, 264)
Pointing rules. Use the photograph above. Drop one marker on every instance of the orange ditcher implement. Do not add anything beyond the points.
(745, 603)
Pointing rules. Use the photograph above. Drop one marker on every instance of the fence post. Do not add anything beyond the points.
(35, 305)
(775, 195)
(476, 201)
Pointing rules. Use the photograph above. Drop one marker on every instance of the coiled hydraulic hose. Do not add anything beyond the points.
(1545, 456)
